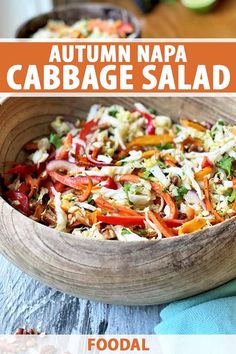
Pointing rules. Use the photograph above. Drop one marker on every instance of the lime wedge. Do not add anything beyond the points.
(199, 5)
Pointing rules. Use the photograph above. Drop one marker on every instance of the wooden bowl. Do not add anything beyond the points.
(71, 14)
(110, 271)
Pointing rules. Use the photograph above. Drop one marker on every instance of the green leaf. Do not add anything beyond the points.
(226, 163)
(55, 140)
(216, 127)
(113, 112)
(125, 231)
(165, 146)
(181, 192)
(152, 110)
(232, 197)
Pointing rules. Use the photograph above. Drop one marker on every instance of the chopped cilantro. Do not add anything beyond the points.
(182, 155)
(226, 163)
(113, 112)
(165, 146)
(147, 174)
(152, 110)
(55, 140)
(181, 192)
(90, 198)
(125, 231)
(215, 128)
(220, 122)
(178, 129)
(126, 188)
(161, 164)
(232, 197)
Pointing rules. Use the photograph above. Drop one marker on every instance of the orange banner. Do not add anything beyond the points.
(123, 67)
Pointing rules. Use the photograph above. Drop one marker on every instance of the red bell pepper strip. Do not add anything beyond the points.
(21, 170)
(150, 126)
(23, 188)
(110, 183)
(206, 162)
(174, 222)
(21, 199)
(122, 220)
(178, 222)
(87, 129)
(76, 182)
(59, 187)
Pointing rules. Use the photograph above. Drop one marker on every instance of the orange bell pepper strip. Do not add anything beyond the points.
(129, 178)
(85, 195)
(149, 153)
(167, 198)
(126, 211)
(234, 183)
(31, 146)
(178, 222)
(34, 185)
(161, 225)
(146, 140)
(190, 124)
(208, 201)
(192, 226)
(199, 176)
(95, 153)
(105, 205)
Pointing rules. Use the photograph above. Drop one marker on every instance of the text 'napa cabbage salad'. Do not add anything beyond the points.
(127, 175)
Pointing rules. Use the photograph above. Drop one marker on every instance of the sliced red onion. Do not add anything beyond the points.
(208, 125)
(93, 161)
(63, 165)
(192, 198)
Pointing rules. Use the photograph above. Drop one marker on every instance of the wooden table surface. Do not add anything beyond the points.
(26, 302)
(174, 20)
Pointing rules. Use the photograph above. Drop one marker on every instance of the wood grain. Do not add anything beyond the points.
(136, 273)
(25, 302)
(171, 20)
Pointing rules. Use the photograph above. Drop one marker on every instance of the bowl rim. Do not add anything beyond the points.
(146, 241)
(77, 6)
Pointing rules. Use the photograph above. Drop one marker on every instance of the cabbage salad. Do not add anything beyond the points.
(85, 28)
(127, 175)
